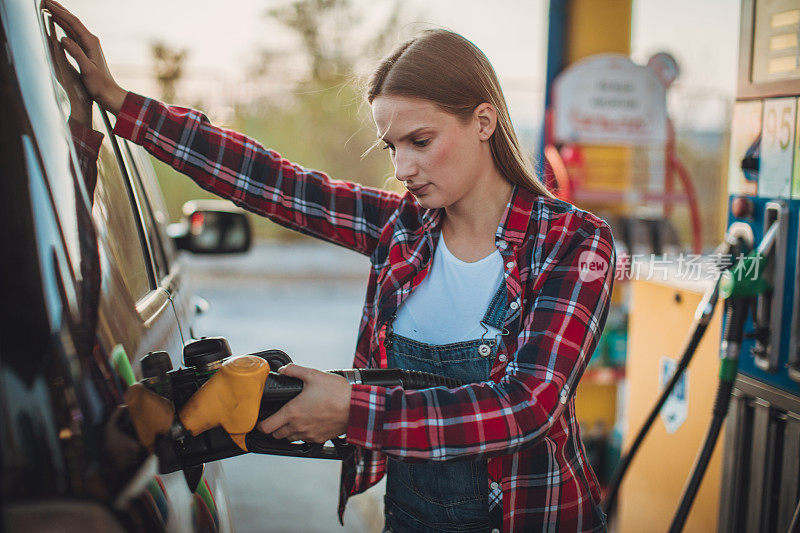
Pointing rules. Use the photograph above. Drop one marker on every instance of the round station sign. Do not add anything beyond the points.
(609, 99)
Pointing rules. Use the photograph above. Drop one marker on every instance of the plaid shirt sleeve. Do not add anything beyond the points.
(566, 310)
(238, 168)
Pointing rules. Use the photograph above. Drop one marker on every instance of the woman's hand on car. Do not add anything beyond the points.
(317, 414)
(85, 48)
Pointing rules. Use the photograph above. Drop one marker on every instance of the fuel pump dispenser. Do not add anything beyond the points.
(759, 380)
(761, 462)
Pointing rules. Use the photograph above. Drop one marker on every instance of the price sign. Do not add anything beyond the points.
(777, 147)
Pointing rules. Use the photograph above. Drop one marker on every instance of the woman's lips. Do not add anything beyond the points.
(418, 189)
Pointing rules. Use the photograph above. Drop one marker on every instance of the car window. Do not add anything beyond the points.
(154, 238)
(153, 235)
(115, 216)
(155, 199)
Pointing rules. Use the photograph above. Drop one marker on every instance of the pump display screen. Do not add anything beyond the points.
(776, 46)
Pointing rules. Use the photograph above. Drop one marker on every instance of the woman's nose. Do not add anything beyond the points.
(405, 167)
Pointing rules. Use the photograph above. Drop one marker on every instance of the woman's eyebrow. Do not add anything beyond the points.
(407, 135)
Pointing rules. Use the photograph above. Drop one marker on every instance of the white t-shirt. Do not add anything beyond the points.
(451, 301)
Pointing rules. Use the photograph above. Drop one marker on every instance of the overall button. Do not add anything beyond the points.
(502, 357)
(495, 530)
(514, 305)
(484, 350)
(511, 264)
(495, 485)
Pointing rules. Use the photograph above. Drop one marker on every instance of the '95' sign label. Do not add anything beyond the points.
(777, 147)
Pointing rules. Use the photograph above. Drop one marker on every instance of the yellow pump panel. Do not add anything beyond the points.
(661, 314)
(597, 27)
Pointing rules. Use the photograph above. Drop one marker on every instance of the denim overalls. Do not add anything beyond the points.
(451, 496)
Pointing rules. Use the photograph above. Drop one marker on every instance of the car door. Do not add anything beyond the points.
(136, 249)
(210, 500)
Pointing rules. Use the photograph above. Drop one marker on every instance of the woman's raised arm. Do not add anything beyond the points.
(231, 164)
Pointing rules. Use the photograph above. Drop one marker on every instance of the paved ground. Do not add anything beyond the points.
(306, 300)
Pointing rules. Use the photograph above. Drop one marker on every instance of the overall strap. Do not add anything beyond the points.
(496, 313)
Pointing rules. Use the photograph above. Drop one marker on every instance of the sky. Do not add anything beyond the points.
(223, 38)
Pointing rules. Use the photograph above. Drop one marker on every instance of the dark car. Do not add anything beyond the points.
(91, 283)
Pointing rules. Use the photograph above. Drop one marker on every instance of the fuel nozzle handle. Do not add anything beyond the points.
(218, 419)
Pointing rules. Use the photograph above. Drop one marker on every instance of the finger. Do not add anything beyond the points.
(274, 422)
(296, 371)
(60, 15)
(65, 18)
(60, 24)
(51, 27)
(286, 432)
(76, 52)
(55, 46)
(51, 38)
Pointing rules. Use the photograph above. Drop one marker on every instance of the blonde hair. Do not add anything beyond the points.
(445, 68)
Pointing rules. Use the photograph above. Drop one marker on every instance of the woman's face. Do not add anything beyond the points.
(436, 155)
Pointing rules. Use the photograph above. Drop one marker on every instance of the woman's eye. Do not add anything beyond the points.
(422, 142)
(388, 147)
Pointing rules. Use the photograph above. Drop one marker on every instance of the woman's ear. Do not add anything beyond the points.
(486, 116)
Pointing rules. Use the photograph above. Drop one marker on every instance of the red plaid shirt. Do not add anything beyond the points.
(523, 419)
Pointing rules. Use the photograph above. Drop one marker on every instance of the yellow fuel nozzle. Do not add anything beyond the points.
(230, 398)
(151, 414)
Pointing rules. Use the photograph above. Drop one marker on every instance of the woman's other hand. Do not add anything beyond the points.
(317, 414)
(85, 48)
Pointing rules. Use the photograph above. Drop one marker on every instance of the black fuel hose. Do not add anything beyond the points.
(698, 329)
(736, 314)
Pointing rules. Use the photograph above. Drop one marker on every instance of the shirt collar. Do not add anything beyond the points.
(431, 219)
(513, 224)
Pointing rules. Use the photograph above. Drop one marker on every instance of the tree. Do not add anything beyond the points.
(328, 31)
(314, 115)
(168, 66)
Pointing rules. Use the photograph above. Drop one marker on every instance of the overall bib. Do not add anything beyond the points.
(436, 496)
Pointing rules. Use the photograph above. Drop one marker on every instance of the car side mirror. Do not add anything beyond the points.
(212, 227)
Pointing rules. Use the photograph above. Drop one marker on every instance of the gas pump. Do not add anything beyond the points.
(761, 463)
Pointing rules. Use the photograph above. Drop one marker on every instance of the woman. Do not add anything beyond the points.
(476, 273)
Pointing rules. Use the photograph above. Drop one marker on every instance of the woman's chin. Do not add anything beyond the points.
(429, 201)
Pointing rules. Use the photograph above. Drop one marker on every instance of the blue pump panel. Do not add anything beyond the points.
(779, 376)
(764, 176)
